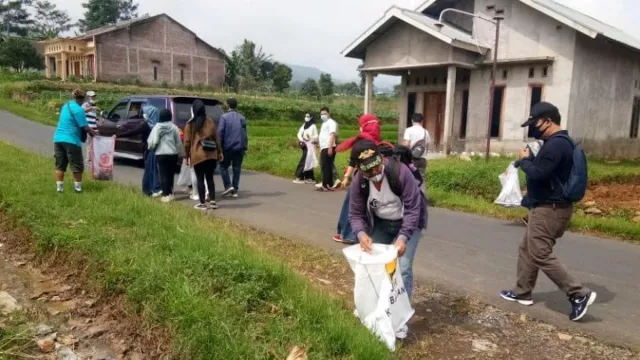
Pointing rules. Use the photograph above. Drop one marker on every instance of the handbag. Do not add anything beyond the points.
(83, 132)
(209, 145)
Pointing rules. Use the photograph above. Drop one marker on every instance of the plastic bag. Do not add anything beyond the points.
(382, 303)
(184, 178)
(510, 195)
(101, 155)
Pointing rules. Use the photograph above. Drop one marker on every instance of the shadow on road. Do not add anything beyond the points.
(557, 301)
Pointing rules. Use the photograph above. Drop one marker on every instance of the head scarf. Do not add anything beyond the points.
(369, 130)
(308, 124)
(199, 114)
(150, 114)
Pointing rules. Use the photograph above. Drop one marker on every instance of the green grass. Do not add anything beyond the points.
(194, 274)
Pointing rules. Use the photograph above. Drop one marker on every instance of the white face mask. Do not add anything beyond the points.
(377, 178)
(324, 117)
(307, 119)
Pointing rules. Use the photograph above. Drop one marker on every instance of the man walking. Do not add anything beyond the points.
(556, 178)
(327, 142)
(417, 139)
(232, 131)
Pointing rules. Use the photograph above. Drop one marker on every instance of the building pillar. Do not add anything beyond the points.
(47, 66)
(403, 109)
(368, 93)
(63, 68)
(448, 109)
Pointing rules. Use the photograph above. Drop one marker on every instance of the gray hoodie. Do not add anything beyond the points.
(165, 139)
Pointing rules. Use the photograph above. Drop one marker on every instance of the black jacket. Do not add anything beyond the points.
(142, 129)
(547, 171)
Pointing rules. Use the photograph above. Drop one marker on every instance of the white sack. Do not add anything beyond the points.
(510, 195)
(382, 303)
(184, 178)
(101, 155)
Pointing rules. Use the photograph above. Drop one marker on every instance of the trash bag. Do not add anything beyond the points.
(382, 303)
(510, 195)
(184, 178)
(101, 156)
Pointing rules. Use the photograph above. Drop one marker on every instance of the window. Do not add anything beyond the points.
(635, 118)
(435, 81)
(496, 113)
(417, 81)
(135, 110)
(536, 97)
(155, 73)
(181, 75)
(182, 110)
(158, 103)
(119, 112)
(465, 110)
(545, 71)
(505, 74)
(532, 73)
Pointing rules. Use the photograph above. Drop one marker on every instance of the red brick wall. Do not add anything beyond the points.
(163, 44)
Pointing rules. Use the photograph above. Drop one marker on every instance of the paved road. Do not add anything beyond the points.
(462, 253)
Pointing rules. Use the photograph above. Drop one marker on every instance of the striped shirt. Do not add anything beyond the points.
(91, 116)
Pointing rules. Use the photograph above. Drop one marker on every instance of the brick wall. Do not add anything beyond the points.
(161, 44)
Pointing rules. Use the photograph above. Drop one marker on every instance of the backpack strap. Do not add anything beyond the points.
(392, 173)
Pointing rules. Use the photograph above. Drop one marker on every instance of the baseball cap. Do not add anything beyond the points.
(91, 93)
(365, 155)
(541, 110)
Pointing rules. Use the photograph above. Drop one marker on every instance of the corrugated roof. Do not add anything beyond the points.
(446, 30)
(591, 23)
(120, 25)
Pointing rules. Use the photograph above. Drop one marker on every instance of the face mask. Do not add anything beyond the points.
(324, 117)
(377, 178)
(307, 119)
(92, 102)
(536, 132)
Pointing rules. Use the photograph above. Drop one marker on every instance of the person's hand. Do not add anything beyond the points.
(345, 182)
(525, 153)
(401, 245)
(330, 151)
(366, 243)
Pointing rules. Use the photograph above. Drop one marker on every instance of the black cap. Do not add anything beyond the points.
(365, 154)
(541, 110)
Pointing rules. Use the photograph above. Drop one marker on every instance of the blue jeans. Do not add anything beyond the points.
(150, 177)
(233, 158)
(344, 227)
(385, 232)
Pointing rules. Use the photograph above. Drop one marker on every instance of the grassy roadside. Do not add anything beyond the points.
(220, 298)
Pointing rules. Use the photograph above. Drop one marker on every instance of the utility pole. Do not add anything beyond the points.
(497, 18)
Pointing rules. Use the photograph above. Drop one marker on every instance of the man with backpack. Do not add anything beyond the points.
(386, 205)
(556, 178)
(417, 139)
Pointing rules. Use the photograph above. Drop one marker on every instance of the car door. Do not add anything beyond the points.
(133, 118)
(109, 125)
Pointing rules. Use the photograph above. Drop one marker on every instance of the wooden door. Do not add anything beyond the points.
(434, 103)
(76, 68)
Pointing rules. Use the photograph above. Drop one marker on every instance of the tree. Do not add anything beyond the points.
(363, 81)
(350, 89)
(281, 77)
(397, 89)
(310, 88)
(100, 13)
(20, 55)
(326, 85)
(49, 20)
(14, 17)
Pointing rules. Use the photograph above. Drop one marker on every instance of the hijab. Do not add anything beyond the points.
(150, 114)
(199, 114)
(308, 124)
(369, 130)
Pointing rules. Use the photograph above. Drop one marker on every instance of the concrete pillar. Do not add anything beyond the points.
(448, 109)
(47, 66)
(63, 68)
(368, 93)
(403, 108)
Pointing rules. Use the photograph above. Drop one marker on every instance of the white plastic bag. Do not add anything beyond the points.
(101, 155)
(184, 178)
(510, 195)
(382, 303)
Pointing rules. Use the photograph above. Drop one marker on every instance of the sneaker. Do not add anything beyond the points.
(60, 188)
(337, 183)
(319, 185)
(234, 195)
(309, 181)
(402, 332)
(298, 181)
(510, 296)
(194, 197)
(156, 194)
(202, 207)
(212, 205)
(338, 238)
(581, 305)
(77, 188)
(228, 191)
(167, 199)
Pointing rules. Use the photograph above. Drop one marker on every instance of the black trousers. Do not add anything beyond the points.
(300, 173)
(327, 162)
(167, 168)
(204, 172)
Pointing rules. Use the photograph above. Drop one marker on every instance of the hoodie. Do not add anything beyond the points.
(165, 139)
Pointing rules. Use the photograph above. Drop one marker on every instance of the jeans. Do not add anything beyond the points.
(167, 166)
(300, 173)
(150, 178)
(327, 162)
(344, 226)
(204, 172)
(386, 232)
(233, 158)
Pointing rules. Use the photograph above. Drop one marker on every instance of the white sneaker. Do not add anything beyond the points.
(228, 191)
(309, 181)
(234, 195)
(212, 205)
(319, 185)
(403, 332)
(156, 195)
(77, 187)
(298, 181)
(202, 207)
(194, 197)
(60, 188)
(167, 199)
(337, 183)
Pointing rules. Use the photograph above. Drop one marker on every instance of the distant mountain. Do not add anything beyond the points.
(302, 73)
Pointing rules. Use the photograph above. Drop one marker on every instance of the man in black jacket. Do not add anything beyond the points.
(549, 213)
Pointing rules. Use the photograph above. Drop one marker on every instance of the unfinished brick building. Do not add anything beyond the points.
(153, 49)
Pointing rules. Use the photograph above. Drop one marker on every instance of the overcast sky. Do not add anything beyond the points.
(314, 32)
